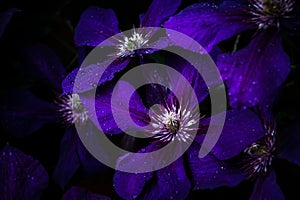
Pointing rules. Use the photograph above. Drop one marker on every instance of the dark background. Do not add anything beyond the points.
(53, 23)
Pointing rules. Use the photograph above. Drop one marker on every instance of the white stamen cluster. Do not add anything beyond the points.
(129, 45)
(173, 123)
(260, 154)
(267, 13)
(72, 109)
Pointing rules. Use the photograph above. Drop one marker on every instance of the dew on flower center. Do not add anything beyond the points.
(266, 13)
(72, 109)
(128, 45)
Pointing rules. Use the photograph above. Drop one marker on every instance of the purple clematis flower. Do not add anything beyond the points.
(22, 177)
(23, 112)
(206, 173)
(98, 24)
(174, 122)
(253, 73)
(256, 160)
(77, 193)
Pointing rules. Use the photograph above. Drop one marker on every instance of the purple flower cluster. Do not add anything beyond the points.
(253, 73)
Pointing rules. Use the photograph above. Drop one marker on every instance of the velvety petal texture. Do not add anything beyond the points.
(43, 65)
(158, 12)
(241, 129)
(255, 72)
(266, 188)
(208, 23)
(210, 173)
(22, 177)
(95, 25)
(78, 193)
(22, 113)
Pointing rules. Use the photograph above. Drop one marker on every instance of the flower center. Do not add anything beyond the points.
(72, 109)
(259, 155)
(173, 123)
(266, 13)
(129, 45)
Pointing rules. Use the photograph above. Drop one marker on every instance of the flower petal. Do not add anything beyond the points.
(22, 113)
(89, 77)
(158, 12)
(266, 188)
(95, 25)
(90, 166)
(5, 18)
(77, 193)
(128, 118)
(255, 72)
(241, 129)
(208, 23)
(171, 183)
(68, 162)
(210, 173)
(22, 177)
(43, 65)
(130, 185)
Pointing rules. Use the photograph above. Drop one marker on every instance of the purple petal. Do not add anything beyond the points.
(68, 162)
(209, 24)
(171, 183)
(266, 188)
(210, 173)
(43, 65)
(241, 129)
(77, 193)
(158, 12)
(95, 25)
(22, 177)
(89, 77)
(5, 18)
(289, 144)
(128, 118)
(255, 72)
(22, 113)
(129, 185)
(90, 166)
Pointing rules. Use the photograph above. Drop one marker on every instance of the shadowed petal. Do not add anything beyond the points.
(95, 25)
(22, 177)
(210, 173)
(22, 113)
(5, 18)
(158, 12)
(266, 188)
(68, 162)
(241, 129)
(77, 193)
(255, 72)
(43, 65)
(208, 23)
